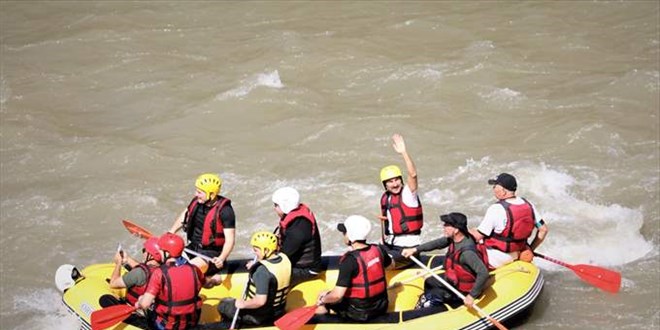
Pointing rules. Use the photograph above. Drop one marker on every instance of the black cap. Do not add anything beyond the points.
(456, 220)
(341, 228)
(506, 180)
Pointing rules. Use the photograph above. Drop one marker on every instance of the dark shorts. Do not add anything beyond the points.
(344, 309)
(211, 253)
(434, 290)
(299, 275)
(227, 309)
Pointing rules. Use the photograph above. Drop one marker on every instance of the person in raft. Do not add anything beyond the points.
(173, 289)
(299, 234)
(268, 286)
(360, 293)
(401, 210)
(509, 223)
(465, 266)
(209, 222)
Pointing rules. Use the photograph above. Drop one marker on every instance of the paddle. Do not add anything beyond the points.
(296, 318)
(143, 233)
(602, 278)
(412, 278)
(458, 293)
(109, 316)
(245, 291)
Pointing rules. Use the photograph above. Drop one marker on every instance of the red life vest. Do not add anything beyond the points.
(300, 211)
(405, 220)
(310, 256)
(178, 305)
(213, 233)
(370, 280)
(520, 222)
(134, 292)
(456, 274)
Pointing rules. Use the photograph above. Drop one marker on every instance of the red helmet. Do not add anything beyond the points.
(172, 244)
(151, 247)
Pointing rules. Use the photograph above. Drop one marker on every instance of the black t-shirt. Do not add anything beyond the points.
(298, 236)
(348, 268)
(227, 217)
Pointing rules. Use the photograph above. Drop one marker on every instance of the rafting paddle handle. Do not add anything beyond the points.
(602, 278)
(143, 233)
(412, 278)
(458, 293)
(245, 291)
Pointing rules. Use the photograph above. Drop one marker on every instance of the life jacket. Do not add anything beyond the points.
(178, 305)
(520, 222)
(279, 288)
(134, 292)
(213, 234)
(300, 211)
(405, 220)
(311, 250)
(370, 280)
(461, 278)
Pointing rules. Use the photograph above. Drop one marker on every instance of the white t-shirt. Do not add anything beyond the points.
(409, 199)
(495, 221)
(495, 218)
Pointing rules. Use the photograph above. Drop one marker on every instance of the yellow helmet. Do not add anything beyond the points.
(209, 183)
(264, 241)
(389, 172)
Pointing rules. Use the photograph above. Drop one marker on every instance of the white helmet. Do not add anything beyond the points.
(287, 198)
(356, 227)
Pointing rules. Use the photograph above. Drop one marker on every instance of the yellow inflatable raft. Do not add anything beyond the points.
(515, 288)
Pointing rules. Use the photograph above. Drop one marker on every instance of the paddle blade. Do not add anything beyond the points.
(109, 316)
(136, 230)
(605, 279)
(295, 319)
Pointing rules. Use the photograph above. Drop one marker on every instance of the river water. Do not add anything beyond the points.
(110, 109)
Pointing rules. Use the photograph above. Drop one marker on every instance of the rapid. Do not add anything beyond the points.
(109, 111)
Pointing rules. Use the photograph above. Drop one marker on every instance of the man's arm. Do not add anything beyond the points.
(487, 226)
(478, 236)
(472, 261)
(256, 302)
(230, 239)
(178, 222)
(153, 287)
(541, 232)
(261, 279)
(400, 146)
(348, 268)
(145, 301)
(333, 296)
(116, 282)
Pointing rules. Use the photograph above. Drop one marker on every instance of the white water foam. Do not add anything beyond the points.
(45, 310)
(582, 229)
(269, 79)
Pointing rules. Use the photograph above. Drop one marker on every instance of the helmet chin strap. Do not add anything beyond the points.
(267, 253)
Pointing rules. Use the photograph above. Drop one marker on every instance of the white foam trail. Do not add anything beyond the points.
(505, 95)
(46, 310)
(430, 72)
(582, 229)
(5, 91)
(268, 79)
